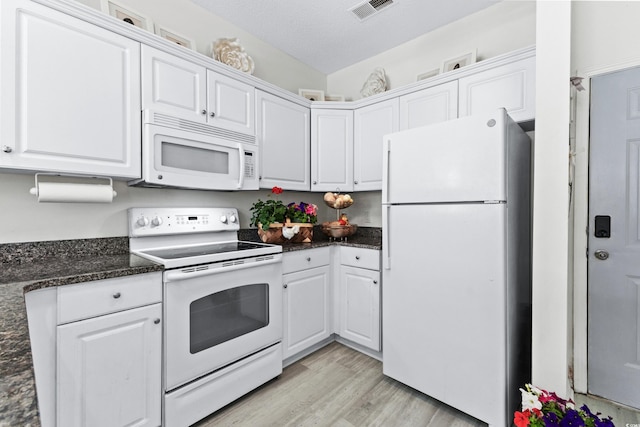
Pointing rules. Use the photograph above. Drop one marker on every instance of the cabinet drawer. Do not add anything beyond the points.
(305, 259)
(359, 257)
(90, 299)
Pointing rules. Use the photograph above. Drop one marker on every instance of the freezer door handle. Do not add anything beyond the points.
(386, 256)
(385, 174)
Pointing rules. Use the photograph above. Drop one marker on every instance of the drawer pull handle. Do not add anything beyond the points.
(117, 295)
(357, 257)
(375, 282)
(285, 286)
(309, 258)
(156, 321)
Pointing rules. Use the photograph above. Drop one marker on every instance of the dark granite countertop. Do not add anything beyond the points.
(30, 266)
(26, 267)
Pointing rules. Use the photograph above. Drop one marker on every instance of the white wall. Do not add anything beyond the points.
(189, 19)
(604, 39)
(551, 303)
(23, 219)
(504, 27)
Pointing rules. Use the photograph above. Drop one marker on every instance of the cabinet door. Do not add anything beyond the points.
(511, 86)
(307, 315)
(371, 123)
(331, 150)
(360, 306)
(231, 104)
(284, 140)
(70, 94)
(173, 85)
(109, 370)
(427, 106)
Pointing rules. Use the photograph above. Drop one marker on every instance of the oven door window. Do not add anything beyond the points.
(228, 314)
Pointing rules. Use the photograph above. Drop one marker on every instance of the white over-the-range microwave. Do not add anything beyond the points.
(185, 154)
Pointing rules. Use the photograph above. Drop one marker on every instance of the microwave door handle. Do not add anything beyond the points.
(241, 177)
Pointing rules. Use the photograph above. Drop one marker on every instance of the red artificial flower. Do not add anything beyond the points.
(276, 190)
(521, 419)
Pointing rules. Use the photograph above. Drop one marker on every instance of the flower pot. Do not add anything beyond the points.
(279, 233)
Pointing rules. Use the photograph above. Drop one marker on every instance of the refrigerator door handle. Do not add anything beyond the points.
(386, 256)
(385, 174)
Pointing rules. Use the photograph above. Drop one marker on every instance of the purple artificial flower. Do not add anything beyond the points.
(551, 419)
(605, 422)
(572, 419)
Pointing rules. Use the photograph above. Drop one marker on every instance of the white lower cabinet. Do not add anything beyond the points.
(307, 299)
(108, 367)
(359, 296)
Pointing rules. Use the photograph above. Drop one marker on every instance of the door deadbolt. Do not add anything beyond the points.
(602, 226)
(601, 254)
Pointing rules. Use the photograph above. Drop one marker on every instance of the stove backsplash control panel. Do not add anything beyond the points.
(163, 221)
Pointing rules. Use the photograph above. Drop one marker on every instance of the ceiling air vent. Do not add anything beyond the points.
(369, 8)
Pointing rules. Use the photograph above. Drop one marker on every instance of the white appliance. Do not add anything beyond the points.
(222, 307)
(456, 257)
(185, 154)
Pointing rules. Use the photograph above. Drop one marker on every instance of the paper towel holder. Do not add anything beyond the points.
(105, 193)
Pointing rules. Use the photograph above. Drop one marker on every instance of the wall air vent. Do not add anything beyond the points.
(369, 8)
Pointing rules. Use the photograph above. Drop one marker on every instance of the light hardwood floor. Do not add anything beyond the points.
(337, 386)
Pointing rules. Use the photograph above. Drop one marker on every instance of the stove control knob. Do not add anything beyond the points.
(233, 219)
(156, 221)
(143, 221)
(223, 219)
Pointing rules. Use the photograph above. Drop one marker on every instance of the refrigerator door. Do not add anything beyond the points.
(455, 161)
(444, 304)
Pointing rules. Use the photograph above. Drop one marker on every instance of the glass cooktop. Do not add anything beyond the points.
(207, 249)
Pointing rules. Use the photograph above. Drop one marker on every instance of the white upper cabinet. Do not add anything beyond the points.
(371, 123)
(332, 150)
(230, 103)
(173, 85)
(284, 140)
(510, 86)
(181, 88)
(70, 94)
(428, 106)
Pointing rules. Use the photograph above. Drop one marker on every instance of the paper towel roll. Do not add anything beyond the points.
(73, 193)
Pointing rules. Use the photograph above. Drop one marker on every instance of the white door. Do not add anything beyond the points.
(427, 106)
(307, 318)
(614, 267)
(331, 150)
(371, 124)
(109, 370)
(231, 104)
(70, 94)
(173, 85)
(284, 140)
(360, 306)
(443, 304)
(454, 161)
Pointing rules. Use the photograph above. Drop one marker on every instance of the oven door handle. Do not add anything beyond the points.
(207, 270)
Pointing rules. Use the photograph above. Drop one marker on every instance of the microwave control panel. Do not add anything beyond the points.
(249, 165)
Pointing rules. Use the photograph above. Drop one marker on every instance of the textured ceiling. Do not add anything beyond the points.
(325, 35)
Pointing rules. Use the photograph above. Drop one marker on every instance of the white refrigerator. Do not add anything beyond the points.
(456, 263)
